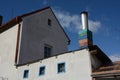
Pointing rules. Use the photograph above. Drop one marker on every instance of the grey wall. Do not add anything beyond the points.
(36, 32)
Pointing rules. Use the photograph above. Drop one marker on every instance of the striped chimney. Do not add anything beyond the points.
(85, 35)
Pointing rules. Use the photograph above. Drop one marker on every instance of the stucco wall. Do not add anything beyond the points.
(8, 40)
(78, 67)
(36, 33)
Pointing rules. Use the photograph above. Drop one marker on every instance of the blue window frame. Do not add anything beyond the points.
(42, 71)
(26, 73)
(61, 67)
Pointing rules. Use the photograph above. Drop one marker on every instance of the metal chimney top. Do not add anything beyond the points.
(84, 19)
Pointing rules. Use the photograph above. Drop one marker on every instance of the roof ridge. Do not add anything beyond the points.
(17, 19)
(33, 12)
(24, 15)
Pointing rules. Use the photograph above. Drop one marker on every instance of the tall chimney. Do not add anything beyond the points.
(1, 20)
(84, 18)
(85, 35)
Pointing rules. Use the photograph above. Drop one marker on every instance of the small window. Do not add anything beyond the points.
(47, 51)
(25, 75)
(49, 22)
(61, 67)
(42, 71)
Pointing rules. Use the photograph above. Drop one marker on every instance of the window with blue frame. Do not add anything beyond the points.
(42, 71)
(61, 67)
(26, 73)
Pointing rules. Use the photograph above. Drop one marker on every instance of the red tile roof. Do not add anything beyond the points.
(10, 23)
(114, 68)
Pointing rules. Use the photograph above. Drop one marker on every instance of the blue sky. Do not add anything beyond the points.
(104, 18)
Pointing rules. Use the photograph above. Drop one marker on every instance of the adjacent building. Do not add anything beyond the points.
(34, 46)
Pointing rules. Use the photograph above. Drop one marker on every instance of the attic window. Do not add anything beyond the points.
(49, 22)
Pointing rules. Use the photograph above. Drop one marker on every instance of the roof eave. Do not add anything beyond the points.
(10, 23)
(30, 13)
(17, 19)
(106, 73)
(101, 55)
(61, 28)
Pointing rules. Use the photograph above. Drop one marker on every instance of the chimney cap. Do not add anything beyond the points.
(84, 12)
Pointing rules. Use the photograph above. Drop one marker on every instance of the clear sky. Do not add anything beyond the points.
(104, 18)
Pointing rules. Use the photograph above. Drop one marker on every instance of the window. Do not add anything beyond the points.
(49, 22)
(47, 51)
(42, 71)
(26, 72)
(61, 67)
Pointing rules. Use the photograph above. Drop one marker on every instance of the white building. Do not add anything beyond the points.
(34, 46)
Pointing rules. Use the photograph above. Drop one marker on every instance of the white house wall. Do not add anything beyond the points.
(8, 40)
(36, 33)
(77, 65)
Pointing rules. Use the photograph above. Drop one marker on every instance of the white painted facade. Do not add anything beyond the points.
(8, 40)
(77, 67)
(34, 33)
